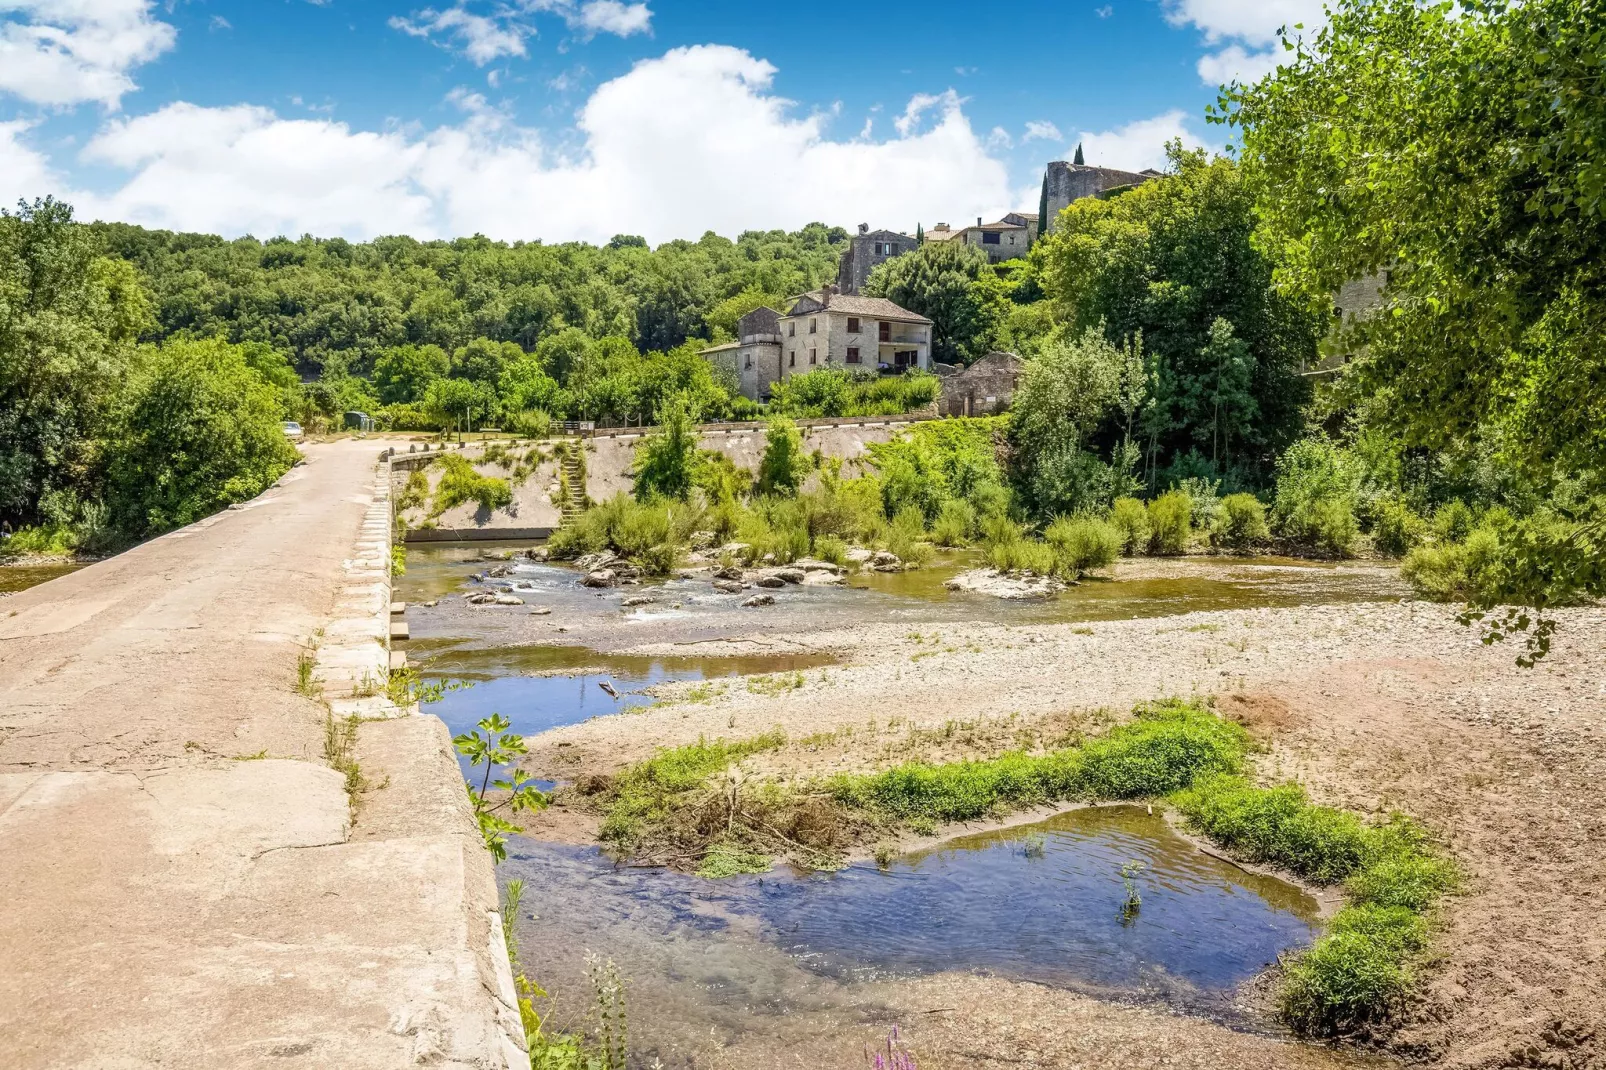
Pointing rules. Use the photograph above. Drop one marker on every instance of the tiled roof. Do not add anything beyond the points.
(875, 308)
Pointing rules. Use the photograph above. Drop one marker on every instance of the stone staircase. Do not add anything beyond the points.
(574, 480)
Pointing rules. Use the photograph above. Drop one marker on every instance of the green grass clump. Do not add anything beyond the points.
(1166, 747)
(729, 860)
(955, 522)
(646, 791)
(1360, 971)
(651, 534)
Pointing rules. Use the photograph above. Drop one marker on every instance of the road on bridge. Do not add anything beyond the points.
(182, 879)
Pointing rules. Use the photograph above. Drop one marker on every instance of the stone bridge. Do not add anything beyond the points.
(186, 879)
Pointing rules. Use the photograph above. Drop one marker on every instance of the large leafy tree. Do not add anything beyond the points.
(1457, 154)
(940, 281)
(197, 428)
(68, 317)
(403, 373)
(1174, 259)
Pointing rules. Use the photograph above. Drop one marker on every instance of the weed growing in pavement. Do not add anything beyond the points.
(339, 750)
(306, 683)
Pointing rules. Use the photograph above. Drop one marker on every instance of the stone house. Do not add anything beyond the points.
(1066, 182)
(1006, 239)
(983, 389)
(823, 329)
(865, 250)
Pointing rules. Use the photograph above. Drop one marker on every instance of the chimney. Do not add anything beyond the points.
(978, 221)
(825, 293)
(864, 228)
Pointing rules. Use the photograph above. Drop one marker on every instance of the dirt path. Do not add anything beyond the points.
(1374, 706)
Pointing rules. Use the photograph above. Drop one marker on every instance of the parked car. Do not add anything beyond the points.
(292, 430)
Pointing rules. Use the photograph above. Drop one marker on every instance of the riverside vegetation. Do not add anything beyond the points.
(695, 807)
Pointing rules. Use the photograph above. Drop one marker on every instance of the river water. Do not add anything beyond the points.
(765, 960)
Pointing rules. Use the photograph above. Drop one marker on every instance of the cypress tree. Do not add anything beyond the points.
(1079, 161)
(1042, 208)
(920, 234)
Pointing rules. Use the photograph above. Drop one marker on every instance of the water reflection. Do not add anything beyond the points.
(713, 960)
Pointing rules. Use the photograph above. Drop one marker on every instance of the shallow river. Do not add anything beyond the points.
(712, 963)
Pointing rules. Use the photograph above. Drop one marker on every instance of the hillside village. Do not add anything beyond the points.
(836, 326)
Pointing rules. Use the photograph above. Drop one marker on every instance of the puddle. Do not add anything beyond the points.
(502, 682)
(15, 578)
(767, 956)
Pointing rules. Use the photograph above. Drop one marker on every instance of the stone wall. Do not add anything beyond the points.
(1069, 182)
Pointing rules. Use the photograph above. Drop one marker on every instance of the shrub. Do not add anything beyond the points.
(1021, 555)
(1453, 521)
(955, 523)
(1327, 525)
(1240, 522)
(1453, 571)
(1082, 544)
(650, 534)
(1396, 528)
(1315, 500)
(1130, 517)
(1204, 501)
(1170, 521)
(460, 483)
(784, 465)
(416, 492)
(831, 549)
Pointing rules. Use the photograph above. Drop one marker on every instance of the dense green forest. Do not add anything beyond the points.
(1168, 332)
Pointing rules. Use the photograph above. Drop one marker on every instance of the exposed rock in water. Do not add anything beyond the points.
(1006, 585)
(814, 564)
(540, 611)
(824, 579)
(732, 573)
(858, 555)
(759, 600)
(538, 553)
(769, 579)
(790, 575)
(498, 571)
(638, 600)
(730, 586)
(508, 600)
(600, 578)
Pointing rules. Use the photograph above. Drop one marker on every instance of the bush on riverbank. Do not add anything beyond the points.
(460, 483)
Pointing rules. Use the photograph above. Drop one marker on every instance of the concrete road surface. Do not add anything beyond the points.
(183, 879)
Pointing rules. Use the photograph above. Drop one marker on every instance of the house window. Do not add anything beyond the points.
(812, 325)
(853, 324)
(886, 331)
(853, 354)
(814, 356)
(1012, 239)
(878, 248)
(749, 360)
(791, 330)
(892, 248)
(989, 237)
(791, 359)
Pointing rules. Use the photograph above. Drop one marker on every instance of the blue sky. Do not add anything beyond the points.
(560, 119)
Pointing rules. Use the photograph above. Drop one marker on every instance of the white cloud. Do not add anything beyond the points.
(64, 52)
(1042, 130)
(691, 141)
(1139, 144)
(25, 173)
(1237, 64)
(611, 16)
(921, 103)
(1104, 12)
(1246, 28)
(481, 39)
